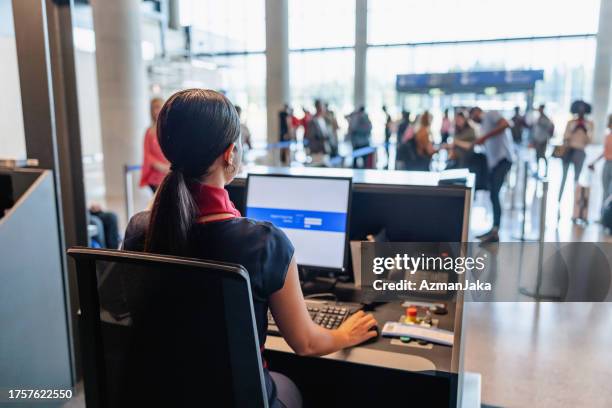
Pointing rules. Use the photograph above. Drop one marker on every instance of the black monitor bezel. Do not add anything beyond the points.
(323, 269)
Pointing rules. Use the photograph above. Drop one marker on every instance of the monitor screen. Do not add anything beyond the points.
(312, 211)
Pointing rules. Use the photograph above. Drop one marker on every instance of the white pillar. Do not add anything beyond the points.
(361, 49)
(121, 88)
(277, 64)
(602, 83)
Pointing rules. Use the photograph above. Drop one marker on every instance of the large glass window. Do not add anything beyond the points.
(321, 23)
(228, 25)
(409, 21)
(326, 75)
(567, 64)
(230, 38)
(243, 80)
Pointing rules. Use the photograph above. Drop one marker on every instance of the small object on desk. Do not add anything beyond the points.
(440, 310)
(423, 342)
(405, 339)
(411, 314)
(434, 335)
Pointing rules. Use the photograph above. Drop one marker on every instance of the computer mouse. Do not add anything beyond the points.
(375, 338)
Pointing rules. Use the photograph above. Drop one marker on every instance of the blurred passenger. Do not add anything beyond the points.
(292, 124)
(606, 174)
(306, 117)
(578, 134)
(107, 225)
(359, 132)
(404, 152)
(332, 122)
(284, 120)
(445, 129)
(388, 131)
(423, 146)
(518, 125)
(541, 132)
(499, 154)
(295, 122)
(318, 133)
(283, 123)
(463, 141)
(155, 166)
(245, 133)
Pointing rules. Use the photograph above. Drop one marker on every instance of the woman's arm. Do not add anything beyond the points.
(302, 334)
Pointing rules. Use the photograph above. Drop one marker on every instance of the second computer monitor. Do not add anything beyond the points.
(312, 211)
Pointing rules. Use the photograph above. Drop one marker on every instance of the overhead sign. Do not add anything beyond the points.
(469, 82)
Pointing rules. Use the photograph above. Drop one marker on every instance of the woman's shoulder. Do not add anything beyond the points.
(136, 231)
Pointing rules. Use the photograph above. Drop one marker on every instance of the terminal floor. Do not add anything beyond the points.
(543, 355)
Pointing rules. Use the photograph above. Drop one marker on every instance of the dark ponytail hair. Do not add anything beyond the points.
(194, 127)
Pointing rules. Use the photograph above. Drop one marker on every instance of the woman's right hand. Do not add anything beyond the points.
(356, 329)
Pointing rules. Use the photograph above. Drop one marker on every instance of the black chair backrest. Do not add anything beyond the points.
(166, 331)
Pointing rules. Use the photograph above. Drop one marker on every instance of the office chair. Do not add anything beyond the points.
(166, 331)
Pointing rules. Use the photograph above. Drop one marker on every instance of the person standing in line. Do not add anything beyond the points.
(155, 166)
(388, 131)
(332, 123)
(284, 120)
(445, 129)
(606, 176)
(359, 131)
(541, 132)
(318, 133)
(463, 141)
(303, 122)
(244, 129)
(423, 145)
(518, 125)
(499, 155)
(578, 134)
(403, 151)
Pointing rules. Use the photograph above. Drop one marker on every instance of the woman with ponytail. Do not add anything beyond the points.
(192, 215)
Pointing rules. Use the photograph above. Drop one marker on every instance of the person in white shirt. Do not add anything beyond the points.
(578, 134)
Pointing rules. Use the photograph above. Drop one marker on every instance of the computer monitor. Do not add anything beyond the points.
(312, 211)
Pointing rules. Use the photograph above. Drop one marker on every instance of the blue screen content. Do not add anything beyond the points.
(311, 211)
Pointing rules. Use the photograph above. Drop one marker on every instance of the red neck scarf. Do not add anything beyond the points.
(213, 200)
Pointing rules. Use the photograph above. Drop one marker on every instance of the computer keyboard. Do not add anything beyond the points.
(328, 314)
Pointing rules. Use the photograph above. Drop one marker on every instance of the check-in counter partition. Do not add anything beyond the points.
(34, 333)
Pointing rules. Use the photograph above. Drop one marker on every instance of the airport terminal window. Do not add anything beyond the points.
(311, 23)
(243, 79)
(229, 25)
(568, 65)
(322, 74)
(409, 21)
